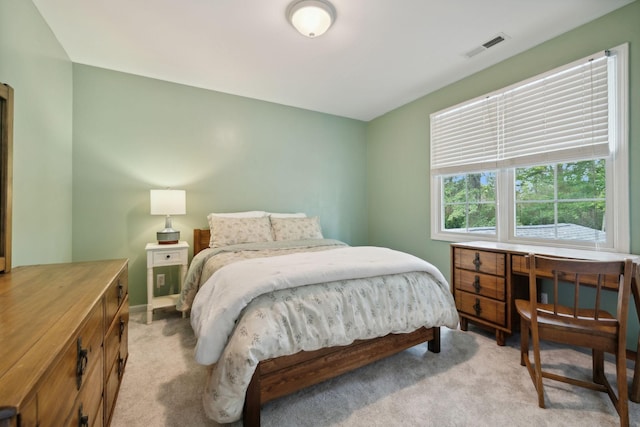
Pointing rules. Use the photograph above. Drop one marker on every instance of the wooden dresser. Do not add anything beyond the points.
(63, 343)
(482, 288)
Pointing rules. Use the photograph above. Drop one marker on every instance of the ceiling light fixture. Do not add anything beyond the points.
(312, 18)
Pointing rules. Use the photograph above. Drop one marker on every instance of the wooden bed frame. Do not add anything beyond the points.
(284, 375)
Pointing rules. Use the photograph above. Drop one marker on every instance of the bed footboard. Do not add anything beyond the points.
(284, 375)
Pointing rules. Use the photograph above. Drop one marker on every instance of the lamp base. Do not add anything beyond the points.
(168, 237)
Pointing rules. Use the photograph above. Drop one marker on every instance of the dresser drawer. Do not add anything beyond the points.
(480, 261)
(57, 395)
(116, 351)
(116, 340)
(168, 257)
(112, 384)
(89, 402)
(480, 284)
(116, 294)
(483, 308)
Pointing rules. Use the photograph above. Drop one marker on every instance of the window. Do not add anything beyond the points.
(562, 201)
(469, 202)
(542, 161)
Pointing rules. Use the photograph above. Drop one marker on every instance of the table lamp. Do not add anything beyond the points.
(168, 202)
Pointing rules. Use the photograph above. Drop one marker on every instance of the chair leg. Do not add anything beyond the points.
(538, 368)
(524, 341)
(622, 405)
(535, 369)
(598, 366)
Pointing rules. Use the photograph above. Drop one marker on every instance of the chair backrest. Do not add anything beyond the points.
(578, 275)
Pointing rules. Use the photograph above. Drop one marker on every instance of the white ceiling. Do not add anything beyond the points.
(379, 54)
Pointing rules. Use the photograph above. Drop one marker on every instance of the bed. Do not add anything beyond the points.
(319, 324)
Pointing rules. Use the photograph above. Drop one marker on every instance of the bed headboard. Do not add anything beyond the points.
(201, 238)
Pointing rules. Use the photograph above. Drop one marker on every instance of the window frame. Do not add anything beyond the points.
(617, 176)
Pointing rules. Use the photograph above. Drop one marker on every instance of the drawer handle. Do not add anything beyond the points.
(168, 256)
(120, 292)
(81, 363)
(476, 284)
(477, 262)
(122, 325)
(120, 366)
(477, 307)
(83, 420)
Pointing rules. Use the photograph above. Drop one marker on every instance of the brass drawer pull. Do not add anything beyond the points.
(476, 261)
(477, 307)
(476, 284)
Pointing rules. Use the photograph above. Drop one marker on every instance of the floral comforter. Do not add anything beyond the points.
(210, 260)
(287, 317)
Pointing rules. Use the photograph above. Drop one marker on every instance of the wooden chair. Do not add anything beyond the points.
(578, 322)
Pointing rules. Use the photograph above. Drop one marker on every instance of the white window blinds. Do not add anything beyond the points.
(561, 115)
(465, 138)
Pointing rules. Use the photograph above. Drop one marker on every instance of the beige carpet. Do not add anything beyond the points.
(471, 382)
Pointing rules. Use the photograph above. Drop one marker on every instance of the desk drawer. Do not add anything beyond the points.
(480, 284)
(519, 266)
(168, 258)
(483, 308)
(480, 261)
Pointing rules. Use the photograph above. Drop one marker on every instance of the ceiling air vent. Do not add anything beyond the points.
(499, 38)
(494, 41)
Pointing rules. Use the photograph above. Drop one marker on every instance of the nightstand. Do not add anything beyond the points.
(162, 256)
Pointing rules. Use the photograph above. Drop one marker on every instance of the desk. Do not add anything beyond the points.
(487, 278)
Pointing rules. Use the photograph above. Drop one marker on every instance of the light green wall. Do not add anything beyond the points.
(35, 65)
(229, 153)
(368, 182)
(398, 142)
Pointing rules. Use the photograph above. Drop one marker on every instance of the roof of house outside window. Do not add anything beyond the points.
(547, 231)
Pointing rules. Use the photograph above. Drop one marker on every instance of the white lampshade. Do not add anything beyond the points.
(311, 18)
(168, 202)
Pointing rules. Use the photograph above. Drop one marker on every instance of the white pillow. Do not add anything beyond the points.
(246, 214)
(288, 215)
(296, 228)
(233, 230)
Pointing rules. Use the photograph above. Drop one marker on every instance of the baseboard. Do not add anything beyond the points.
(138, 308)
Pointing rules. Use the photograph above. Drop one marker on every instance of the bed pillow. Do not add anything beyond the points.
(296, 228)
(246, 214)
(233, 230)
(288, 215)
